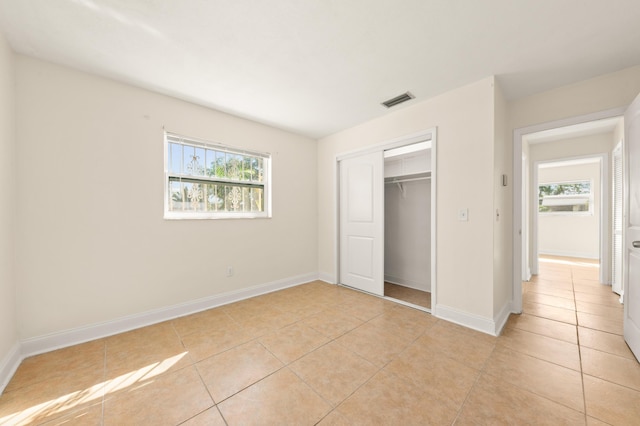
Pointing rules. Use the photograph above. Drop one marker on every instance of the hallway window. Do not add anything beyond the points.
(565, 197)
(212, 181)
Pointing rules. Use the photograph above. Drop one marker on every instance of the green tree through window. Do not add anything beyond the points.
(564, 197)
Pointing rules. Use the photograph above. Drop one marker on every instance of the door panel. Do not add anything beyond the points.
(632, 229)
(362, 222)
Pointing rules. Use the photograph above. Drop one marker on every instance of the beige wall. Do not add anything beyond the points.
(8, 327)
(465, 179)
(92, 245)
(503, 211)
(606, 92)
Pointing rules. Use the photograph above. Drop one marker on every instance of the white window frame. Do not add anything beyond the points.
(198, 143)
(589, 196)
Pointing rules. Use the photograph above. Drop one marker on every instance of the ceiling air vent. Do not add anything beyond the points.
(398, 100)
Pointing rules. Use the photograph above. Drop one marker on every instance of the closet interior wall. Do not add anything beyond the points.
(407, 233)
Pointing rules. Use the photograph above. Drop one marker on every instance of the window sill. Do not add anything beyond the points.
(205, 216)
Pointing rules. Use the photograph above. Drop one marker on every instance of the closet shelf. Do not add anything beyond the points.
(408, 178)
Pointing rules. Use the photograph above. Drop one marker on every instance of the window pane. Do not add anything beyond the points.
(246, 199)
(564, 197)
(176, 196)
(210, 199)
(195, 196)
(194, 159)
(234, 199)
(256, 200)
(246, 169)
(210, 163)
(233, 170)
(220, 171)
(175, 158)
(187, 155)
(260, 169)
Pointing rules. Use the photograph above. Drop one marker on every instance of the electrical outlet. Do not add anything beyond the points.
(229, 271)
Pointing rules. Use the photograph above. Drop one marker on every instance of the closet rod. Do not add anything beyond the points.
(407, 180)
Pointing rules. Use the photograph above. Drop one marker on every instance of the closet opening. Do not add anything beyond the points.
(386, 217)
(407, 224)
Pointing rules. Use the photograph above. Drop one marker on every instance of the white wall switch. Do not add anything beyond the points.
(463, 215)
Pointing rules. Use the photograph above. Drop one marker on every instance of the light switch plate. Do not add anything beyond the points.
(463, 215)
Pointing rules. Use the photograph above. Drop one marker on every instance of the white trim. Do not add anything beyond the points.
(617, 152)
(9, 366)
(434, 228)
(327, 278)
(517, 188)
(605, 220)
(407, 149)
(465, 319)
(46, 343)
(421, 136)
(501, 319)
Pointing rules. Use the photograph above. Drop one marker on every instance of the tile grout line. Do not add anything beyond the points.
(284, 365)
(584, 396)
(360, 356)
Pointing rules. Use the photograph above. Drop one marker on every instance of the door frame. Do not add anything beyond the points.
(429, 134)
(618, 151)
(518, 239)
(603, 222)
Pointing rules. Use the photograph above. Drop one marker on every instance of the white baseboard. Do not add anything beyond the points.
(475, 322)
(569, 254)
(327, 278)
(41, 344)
(408, 283)
(502, 317)
(9, 365)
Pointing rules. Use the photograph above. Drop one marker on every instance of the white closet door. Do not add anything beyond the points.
(362, 222)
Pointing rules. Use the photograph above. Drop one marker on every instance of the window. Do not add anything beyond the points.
(565, 197)
(208, 181)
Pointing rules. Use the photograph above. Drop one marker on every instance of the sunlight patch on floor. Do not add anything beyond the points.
(572, 262)
(138, 378)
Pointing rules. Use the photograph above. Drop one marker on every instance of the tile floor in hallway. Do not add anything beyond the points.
(323, 354)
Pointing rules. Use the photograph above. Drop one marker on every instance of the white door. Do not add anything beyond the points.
(632, 229)
(362, 222)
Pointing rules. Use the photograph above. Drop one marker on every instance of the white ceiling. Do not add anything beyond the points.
(318, 66)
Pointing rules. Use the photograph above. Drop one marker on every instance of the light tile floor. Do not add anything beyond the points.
(406, 294)
(322, 354)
